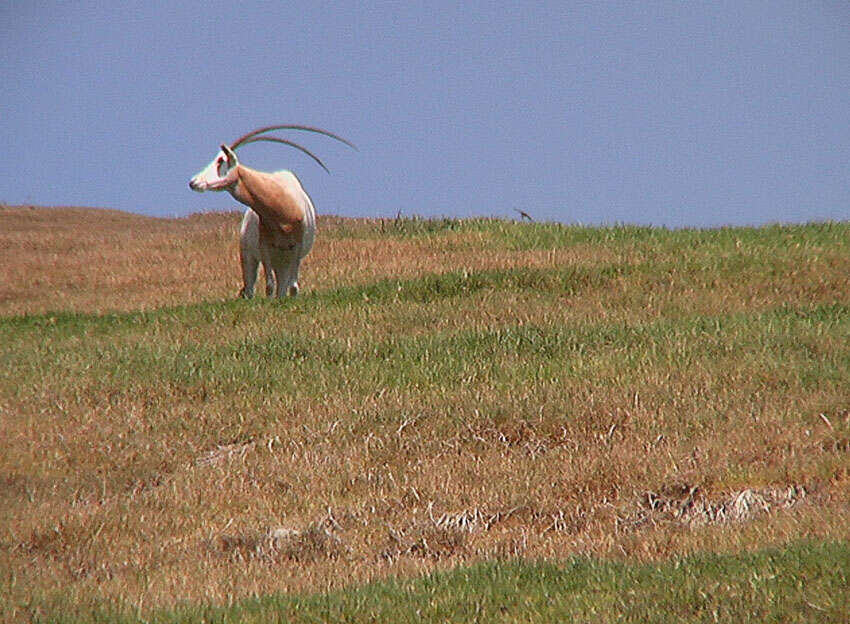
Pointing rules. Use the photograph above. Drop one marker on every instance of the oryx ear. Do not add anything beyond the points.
(231, 155)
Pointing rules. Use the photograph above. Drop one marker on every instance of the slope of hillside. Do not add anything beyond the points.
(444, 393)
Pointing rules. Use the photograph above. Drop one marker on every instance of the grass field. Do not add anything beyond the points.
(547, 421)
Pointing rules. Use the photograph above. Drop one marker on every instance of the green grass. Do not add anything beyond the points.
(805, 346)
(523, 236)
(804, 582)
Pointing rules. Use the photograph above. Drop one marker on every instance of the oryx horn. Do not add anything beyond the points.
(255, 136)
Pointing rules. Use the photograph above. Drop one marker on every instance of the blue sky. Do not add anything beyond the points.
(662, 113)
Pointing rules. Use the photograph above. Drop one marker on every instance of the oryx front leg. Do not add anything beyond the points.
(250, 266)
(270, 285)
(268, 268)
(292, 277)
(282, 263)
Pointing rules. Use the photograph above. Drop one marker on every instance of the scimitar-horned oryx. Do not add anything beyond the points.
(279, 226)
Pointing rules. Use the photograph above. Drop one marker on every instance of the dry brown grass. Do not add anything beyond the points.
(150, 493)
(86, 260)
(99, 260)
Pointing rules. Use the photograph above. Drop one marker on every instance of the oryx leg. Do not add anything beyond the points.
(268, 269)
(249, 274)
(249, 252)
(282, 260)
(292, 278)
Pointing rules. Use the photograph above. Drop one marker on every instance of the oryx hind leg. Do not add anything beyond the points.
(249, 274)
(249, 255)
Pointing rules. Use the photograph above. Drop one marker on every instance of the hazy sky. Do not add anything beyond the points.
(664, 113)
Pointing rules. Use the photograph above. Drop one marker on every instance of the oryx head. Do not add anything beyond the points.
(220, 174)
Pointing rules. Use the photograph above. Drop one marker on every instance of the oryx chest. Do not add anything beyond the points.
(273, 236)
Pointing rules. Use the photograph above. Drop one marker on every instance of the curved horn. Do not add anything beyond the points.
(254, 139)
(245, 138)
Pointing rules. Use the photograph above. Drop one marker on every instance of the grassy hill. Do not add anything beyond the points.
(445, 394)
